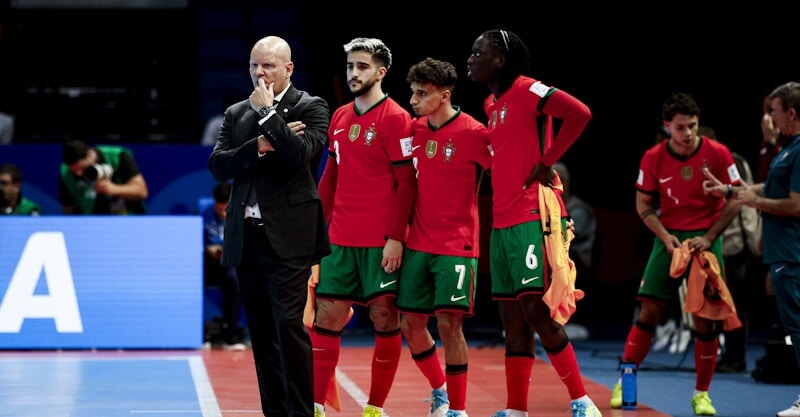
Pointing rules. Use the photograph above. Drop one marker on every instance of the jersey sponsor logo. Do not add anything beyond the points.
(386, 284)
(453, 298)
(539, 89)
(733, 173)
(406, 146)
(663, 180)
(528, 280)
(337, 131)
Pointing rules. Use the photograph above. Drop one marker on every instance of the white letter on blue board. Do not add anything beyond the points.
(44, 251)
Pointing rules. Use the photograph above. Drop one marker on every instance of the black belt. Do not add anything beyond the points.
(253, 221)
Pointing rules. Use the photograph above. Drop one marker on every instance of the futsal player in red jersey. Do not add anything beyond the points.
(671, 173)
(519, 108)
(451, 153)
(367, 190)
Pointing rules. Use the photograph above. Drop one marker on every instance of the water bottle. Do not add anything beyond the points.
(628, 373)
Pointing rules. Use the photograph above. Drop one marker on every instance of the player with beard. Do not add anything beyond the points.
(368, 190)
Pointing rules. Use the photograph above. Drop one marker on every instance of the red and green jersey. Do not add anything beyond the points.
(516, 124)
(677, 182)
(364, 146)
(448, 160)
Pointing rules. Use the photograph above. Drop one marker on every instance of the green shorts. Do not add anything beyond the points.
(355, 274)
(430, 283)
(657, 284)
(517, 260)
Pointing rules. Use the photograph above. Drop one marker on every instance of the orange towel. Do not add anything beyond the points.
(707, 295)
(562, 295)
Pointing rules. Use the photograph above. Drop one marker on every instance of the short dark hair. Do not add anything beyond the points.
(434, 71)
(679, 103)
(222, 192)
(74, 150)
(14, 171)
(375, 47)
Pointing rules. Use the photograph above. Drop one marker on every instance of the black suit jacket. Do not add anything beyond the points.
(284, 180)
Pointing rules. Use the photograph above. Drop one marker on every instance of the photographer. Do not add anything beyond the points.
(100, 180)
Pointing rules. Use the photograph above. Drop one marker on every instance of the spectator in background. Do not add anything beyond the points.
(6, 128)
(221, 276)
(11, 199)
(211, 130)
(584, 223)
(741, 250)
(772, 142)
(581, 251)
(100, 179)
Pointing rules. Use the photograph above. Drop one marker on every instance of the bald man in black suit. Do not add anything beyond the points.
(275, 231)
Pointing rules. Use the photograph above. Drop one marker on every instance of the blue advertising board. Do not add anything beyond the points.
(104, 282)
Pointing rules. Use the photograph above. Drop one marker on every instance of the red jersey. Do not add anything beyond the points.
(445, 218)
(364, 146)
(517, 144)
(677, 180)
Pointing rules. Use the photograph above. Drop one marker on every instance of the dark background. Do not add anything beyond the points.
(139, 71)
(154, 71)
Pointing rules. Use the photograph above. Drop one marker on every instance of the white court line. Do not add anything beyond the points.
(205, 393)
(353, 390)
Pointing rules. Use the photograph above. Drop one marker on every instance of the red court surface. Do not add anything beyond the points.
(233, 380)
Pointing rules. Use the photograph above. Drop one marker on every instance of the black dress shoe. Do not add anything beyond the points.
(732, 367)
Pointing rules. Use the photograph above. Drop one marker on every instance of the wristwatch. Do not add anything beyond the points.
(264, 111)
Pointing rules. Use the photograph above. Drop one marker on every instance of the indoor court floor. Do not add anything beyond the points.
(219, 383)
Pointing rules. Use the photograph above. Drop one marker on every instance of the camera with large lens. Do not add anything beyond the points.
(98, 172)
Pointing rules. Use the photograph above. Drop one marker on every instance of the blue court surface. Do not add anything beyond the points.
(109, 384)
(166, 383)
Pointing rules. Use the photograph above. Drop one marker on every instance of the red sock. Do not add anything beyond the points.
(385, 359)
(518, 380)
(566, 366)
(457, 386)
(428, 363)
(637, 345)
(705, 360)
(326, 356)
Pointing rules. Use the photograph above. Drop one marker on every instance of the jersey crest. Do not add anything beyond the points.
(449, 150)
(370, 135)
(502, 114)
